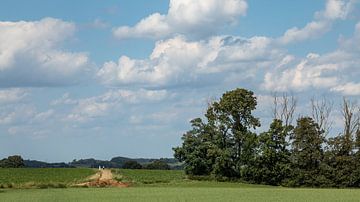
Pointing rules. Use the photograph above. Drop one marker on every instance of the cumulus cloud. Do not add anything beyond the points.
(187, 17)
(335, 71)
(31, 54)
(334, 10)
(23, 114)
(86, 109)
(178, 61)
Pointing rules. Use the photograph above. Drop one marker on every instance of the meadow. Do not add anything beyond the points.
(155, 185)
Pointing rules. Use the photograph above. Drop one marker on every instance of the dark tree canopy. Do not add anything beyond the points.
(12, 162)
(224, 145)
(132, 165)
(157, 165)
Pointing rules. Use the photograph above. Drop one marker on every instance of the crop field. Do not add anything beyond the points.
(154, 185)
(147, 177)
(42, 177)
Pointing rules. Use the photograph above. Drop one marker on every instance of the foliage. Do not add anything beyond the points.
(273, 161)
(12, 162)
(225, 146)
(132, 165)
(307, 153)
(157, 165)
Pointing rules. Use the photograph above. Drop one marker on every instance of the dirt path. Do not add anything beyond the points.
(103, 178)
(106, 175)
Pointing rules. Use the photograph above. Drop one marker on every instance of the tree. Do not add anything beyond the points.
(273, 164)
(224, 145)
(307, 152)
(320, 112)
(341, 155)
(132, 165)
(157, 165)
(284, 108)
(351, 121)
(196, 149)
(15, 161)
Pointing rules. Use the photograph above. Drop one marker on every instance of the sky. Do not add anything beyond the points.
(99, 79)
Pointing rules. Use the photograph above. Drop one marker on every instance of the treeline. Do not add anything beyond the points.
(17, 161)
(129, 163)
(154, 165)
(226, 147)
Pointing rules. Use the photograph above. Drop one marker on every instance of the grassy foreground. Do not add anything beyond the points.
(181, 194)
(152, 185)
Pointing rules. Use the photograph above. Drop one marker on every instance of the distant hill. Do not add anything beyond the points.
(116, 162)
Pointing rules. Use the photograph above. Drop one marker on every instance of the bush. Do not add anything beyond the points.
(158, 165)
(12, 162)
(132, 165)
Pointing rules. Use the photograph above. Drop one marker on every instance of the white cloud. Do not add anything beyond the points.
(348, 89)
(87, 109)
(177, 61)
(20, 114)
(336, 71)
(334, 10)
(187, 17)
(307, 73)
(31, 54)
(337, 9)
(12, 95)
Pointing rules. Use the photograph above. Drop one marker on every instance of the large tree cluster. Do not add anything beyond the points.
(225, 144)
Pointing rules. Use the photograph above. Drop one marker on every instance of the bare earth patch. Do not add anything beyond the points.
(104, 178)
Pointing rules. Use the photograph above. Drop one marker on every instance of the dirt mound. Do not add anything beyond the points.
(103, 179)
(104, 183)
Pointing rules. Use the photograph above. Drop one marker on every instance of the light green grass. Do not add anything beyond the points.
(152, 185)
(139, 177)
(168, 178)
(42, 177)
(199, 194)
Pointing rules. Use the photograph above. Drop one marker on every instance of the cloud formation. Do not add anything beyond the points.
(334, 10)
(195, 18)
(12, 95)
(335, 71)
(31, 54)
(87, 109)
(178, 61)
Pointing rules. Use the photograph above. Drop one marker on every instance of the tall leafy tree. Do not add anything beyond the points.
(273, 164)
(307, 152)
(224, 145)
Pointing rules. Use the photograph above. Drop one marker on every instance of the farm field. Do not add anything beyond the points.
(155, 185)
(42, 177)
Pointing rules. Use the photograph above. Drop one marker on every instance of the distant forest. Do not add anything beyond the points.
(116, 162)
(302, 152)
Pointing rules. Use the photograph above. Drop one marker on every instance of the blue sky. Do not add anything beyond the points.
(100, 79)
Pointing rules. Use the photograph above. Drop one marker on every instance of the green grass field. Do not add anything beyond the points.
(152, 185)
(42, 177)
(181, 194)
